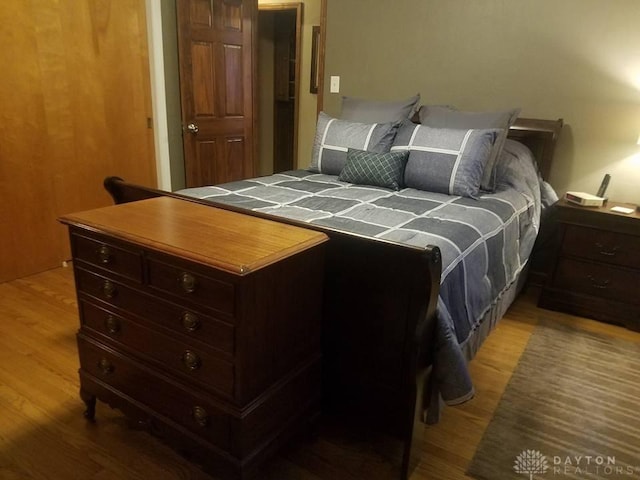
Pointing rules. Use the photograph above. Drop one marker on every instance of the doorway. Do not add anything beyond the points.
(279, 27)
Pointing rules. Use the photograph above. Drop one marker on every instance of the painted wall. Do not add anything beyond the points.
(172, 93)
(308, 101)
(574, 59)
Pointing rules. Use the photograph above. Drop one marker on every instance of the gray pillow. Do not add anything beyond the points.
(448, 117)
(378, 111)
(378, 169)
(445, 160)
(334, 137)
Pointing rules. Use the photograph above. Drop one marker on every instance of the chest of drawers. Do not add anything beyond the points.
(201, 324)
(596, 269)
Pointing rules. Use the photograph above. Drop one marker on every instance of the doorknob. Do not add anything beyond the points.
(193, 128)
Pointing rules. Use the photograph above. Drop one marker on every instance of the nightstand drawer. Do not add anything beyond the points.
(190, 283)
(167, 398)
(599, 280)
(108, 256)
(602, 246)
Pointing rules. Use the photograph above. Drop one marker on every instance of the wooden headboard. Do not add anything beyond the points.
(540, 136)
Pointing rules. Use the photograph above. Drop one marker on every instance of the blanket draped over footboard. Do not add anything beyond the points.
(485, 241)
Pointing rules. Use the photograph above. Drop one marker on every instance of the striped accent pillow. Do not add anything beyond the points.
(334, 137)
(445, 160)
(437, 116)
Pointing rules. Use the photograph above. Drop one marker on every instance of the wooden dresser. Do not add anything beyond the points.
(596, 269)
(201, 324)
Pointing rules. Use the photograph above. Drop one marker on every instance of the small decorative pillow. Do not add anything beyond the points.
(334, 137)
(436, 116)
(445, 160)
(378, 169)
(378, 111)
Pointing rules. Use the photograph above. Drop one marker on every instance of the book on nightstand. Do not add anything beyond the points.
(584, 199)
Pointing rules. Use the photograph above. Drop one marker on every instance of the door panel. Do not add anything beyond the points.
(233, 80)
(215, 42)
(75, 96)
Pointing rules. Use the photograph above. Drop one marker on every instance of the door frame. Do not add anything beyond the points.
(321, 54)
(159, 121)
(298, 7)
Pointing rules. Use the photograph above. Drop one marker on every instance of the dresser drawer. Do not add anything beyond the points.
(599, 280)
(188, 281)
(181, 319)
(176, 319)
(193, 363)
(106, 255)
(602, 246)
(188, 408)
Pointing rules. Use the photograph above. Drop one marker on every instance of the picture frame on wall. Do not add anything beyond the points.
(315, 58)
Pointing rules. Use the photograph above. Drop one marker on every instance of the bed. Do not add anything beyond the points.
(401, 319)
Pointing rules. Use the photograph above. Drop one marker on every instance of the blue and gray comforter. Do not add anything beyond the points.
(485, 242)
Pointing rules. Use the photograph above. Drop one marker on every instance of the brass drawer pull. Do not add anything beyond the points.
(104, 254)
(190, 321)
(187, 282)
(191, 360)
(109, 289)
(200, 416)
(105, 366)
(112, 324)
(601, 284)
(607, 252)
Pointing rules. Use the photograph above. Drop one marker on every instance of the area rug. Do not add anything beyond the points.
(570, 410)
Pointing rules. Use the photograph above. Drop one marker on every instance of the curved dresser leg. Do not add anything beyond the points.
(90, 401)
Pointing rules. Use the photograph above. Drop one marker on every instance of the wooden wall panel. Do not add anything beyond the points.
(75, 99)
(233, 155)
(232, 16)
(234, 86)
(203, 79)
(205, 164)
(201, 13)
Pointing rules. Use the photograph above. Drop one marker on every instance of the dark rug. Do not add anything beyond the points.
(570, 410)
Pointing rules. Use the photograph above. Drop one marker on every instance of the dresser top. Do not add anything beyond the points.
(223, 239)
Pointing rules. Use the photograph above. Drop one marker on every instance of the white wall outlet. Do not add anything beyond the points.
(335, 84)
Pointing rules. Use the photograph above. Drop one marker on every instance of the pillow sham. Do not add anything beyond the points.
(445, 160)
(377, 169)
(449, 117)
(378, 111)
(334, 137)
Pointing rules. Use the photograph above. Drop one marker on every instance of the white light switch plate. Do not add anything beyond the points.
(335, 84)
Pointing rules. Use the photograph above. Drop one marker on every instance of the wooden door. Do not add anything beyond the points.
(76, 102)
(216, 48)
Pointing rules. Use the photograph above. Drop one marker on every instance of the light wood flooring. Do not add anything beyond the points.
(43, 434)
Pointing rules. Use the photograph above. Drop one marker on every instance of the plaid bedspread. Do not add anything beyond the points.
(485, 242)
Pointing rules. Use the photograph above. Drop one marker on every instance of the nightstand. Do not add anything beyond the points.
(595, 269)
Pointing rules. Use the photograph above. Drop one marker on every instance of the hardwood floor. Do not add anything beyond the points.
(43, 434)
